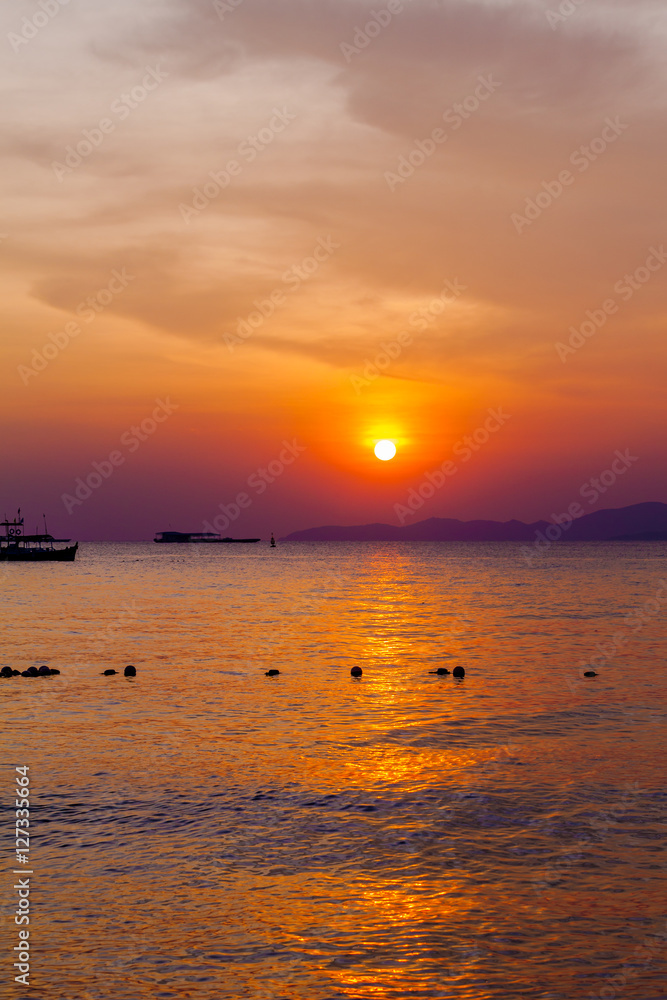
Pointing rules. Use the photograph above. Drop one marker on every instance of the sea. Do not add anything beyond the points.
(205, 831)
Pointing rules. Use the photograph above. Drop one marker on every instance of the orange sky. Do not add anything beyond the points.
(448, 188)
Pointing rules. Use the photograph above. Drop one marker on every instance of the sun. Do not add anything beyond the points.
(385, 450)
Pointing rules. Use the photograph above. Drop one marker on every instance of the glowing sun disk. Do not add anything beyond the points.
(385, 450)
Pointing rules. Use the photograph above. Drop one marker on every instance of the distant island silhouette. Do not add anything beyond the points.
(639, 522)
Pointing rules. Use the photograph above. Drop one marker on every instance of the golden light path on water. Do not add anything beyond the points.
(205, 831)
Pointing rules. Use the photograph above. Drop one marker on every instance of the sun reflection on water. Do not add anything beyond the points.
(207, 831)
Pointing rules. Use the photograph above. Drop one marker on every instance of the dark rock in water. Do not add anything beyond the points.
(271, 673)
(6, 672)
(356, 672)
(31, 672)
(130, 671)
(109, 673)
(44, 671)
(442, 670)
(590, 673)
(16, 673)
(458, 672)
(53, 671)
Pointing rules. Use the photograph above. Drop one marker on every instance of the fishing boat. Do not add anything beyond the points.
(15, 546)
(201, 537)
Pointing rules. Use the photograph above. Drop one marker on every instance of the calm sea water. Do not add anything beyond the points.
(204, 831)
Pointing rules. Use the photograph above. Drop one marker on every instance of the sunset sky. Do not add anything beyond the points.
(446, 186)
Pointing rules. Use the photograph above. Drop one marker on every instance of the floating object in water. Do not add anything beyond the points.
(109, 673)
(356, 672)
(44, 671)
(271, 673)
(590, 673)
(273, 541)
(441, 671)
(130, 671)
(6, 672)
(54, 671)
(458, 672)
(31, 672)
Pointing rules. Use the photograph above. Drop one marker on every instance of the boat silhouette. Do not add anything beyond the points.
(200, 537)
(15, 546)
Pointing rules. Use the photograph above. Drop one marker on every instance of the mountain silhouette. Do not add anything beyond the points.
(640, 522)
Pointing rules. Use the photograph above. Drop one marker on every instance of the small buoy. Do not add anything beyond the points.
(590, 673)
(130, 671)
(44, 671)
(458, 672)
(271, 673)
(6, 672)
(356, 672)
(53, 671)
(109, 673)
